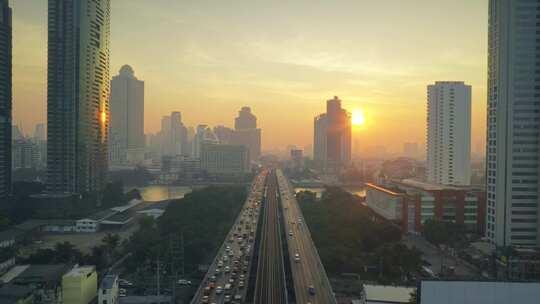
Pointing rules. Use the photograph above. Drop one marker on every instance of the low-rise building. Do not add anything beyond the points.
(108, 290)
(219, 159)
(79, 285)
(409, 203)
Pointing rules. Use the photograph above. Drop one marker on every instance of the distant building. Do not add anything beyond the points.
(224, 134)
(26, 154)
(79, 286)
(174, 136)
(513, 122)
(410, 150)
(224, 159)
(203, 136)
(333, 136)
(410, 203)
(127, 115)
(449, 133)
(297, 158)
(245, 120)
(78, 87)
(5, 98)
(108, 290)
(247, 134)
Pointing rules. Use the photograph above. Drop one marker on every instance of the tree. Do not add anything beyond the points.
(113, 195)
(436, 232)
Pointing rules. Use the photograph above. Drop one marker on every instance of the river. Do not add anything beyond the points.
(356, 190)
(156, 193)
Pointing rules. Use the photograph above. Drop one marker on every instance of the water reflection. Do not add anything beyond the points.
(159, 193)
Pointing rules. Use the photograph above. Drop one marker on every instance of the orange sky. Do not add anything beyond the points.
(208, 58)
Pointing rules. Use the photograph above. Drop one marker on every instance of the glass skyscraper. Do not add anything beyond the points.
(78, 95)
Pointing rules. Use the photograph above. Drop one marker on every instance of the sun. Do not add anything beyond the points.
(358, 118)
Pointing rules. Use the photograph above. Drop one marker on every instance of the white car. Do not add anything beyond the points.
(297, 258)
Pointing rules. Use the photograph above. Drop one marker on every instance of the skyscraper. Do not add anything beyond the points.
(513, 164)
(333, 136)
(77, 95)
(319, 138)
(5, 98)
(246, 133)
(245, 119)
(449, 133)
(126, 133)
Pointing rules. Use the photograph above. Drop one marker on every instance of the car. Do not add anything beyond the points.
(227, 269)
(296, 257)
(241, 284)
(290, 232)
(213, 279)
(205, 299)
(184, 282)
(219, 290)
(311, 290)
(227, 299)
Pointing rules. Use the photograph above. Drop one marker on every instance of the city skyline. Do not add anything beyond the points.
(373, 79)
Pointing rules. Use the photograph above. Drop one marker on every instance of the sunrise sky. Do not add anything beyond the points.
(283, 58)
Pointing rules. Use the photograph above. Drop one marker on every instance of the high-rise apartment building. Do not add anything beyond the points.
(246, 133)
(333, 136)
(78, 95)
(513, 164)
(5, 98)
(126, 134)
(449, 133)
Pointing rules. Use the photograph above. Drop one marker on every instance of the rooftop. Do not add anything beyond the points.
(80, 271)
(391, 191)
(49, 274)
(429, 186)
(388, 294)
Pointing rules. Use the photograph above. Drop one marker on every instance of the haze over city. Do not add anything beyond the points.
(270, 152)
(208, 58)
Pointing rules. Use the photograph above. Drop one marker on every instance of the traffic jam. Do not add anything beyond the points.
(227, 278)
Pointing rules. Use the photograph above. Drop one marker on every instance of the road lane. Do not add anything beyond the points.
(309, 271)
(233, 259)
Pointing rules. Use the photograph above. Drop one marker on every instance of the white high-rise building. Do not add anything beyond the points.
(513, 162)
(449, 133)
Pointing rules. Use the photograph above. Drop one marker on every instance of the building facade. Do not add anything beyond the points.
(5, 98)
(513, 123)
(246, 133)
(224, 159)
(333, 136)
(78, 95)
(449, 133)
(127, 115)
(79, 285)
(410, 203)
